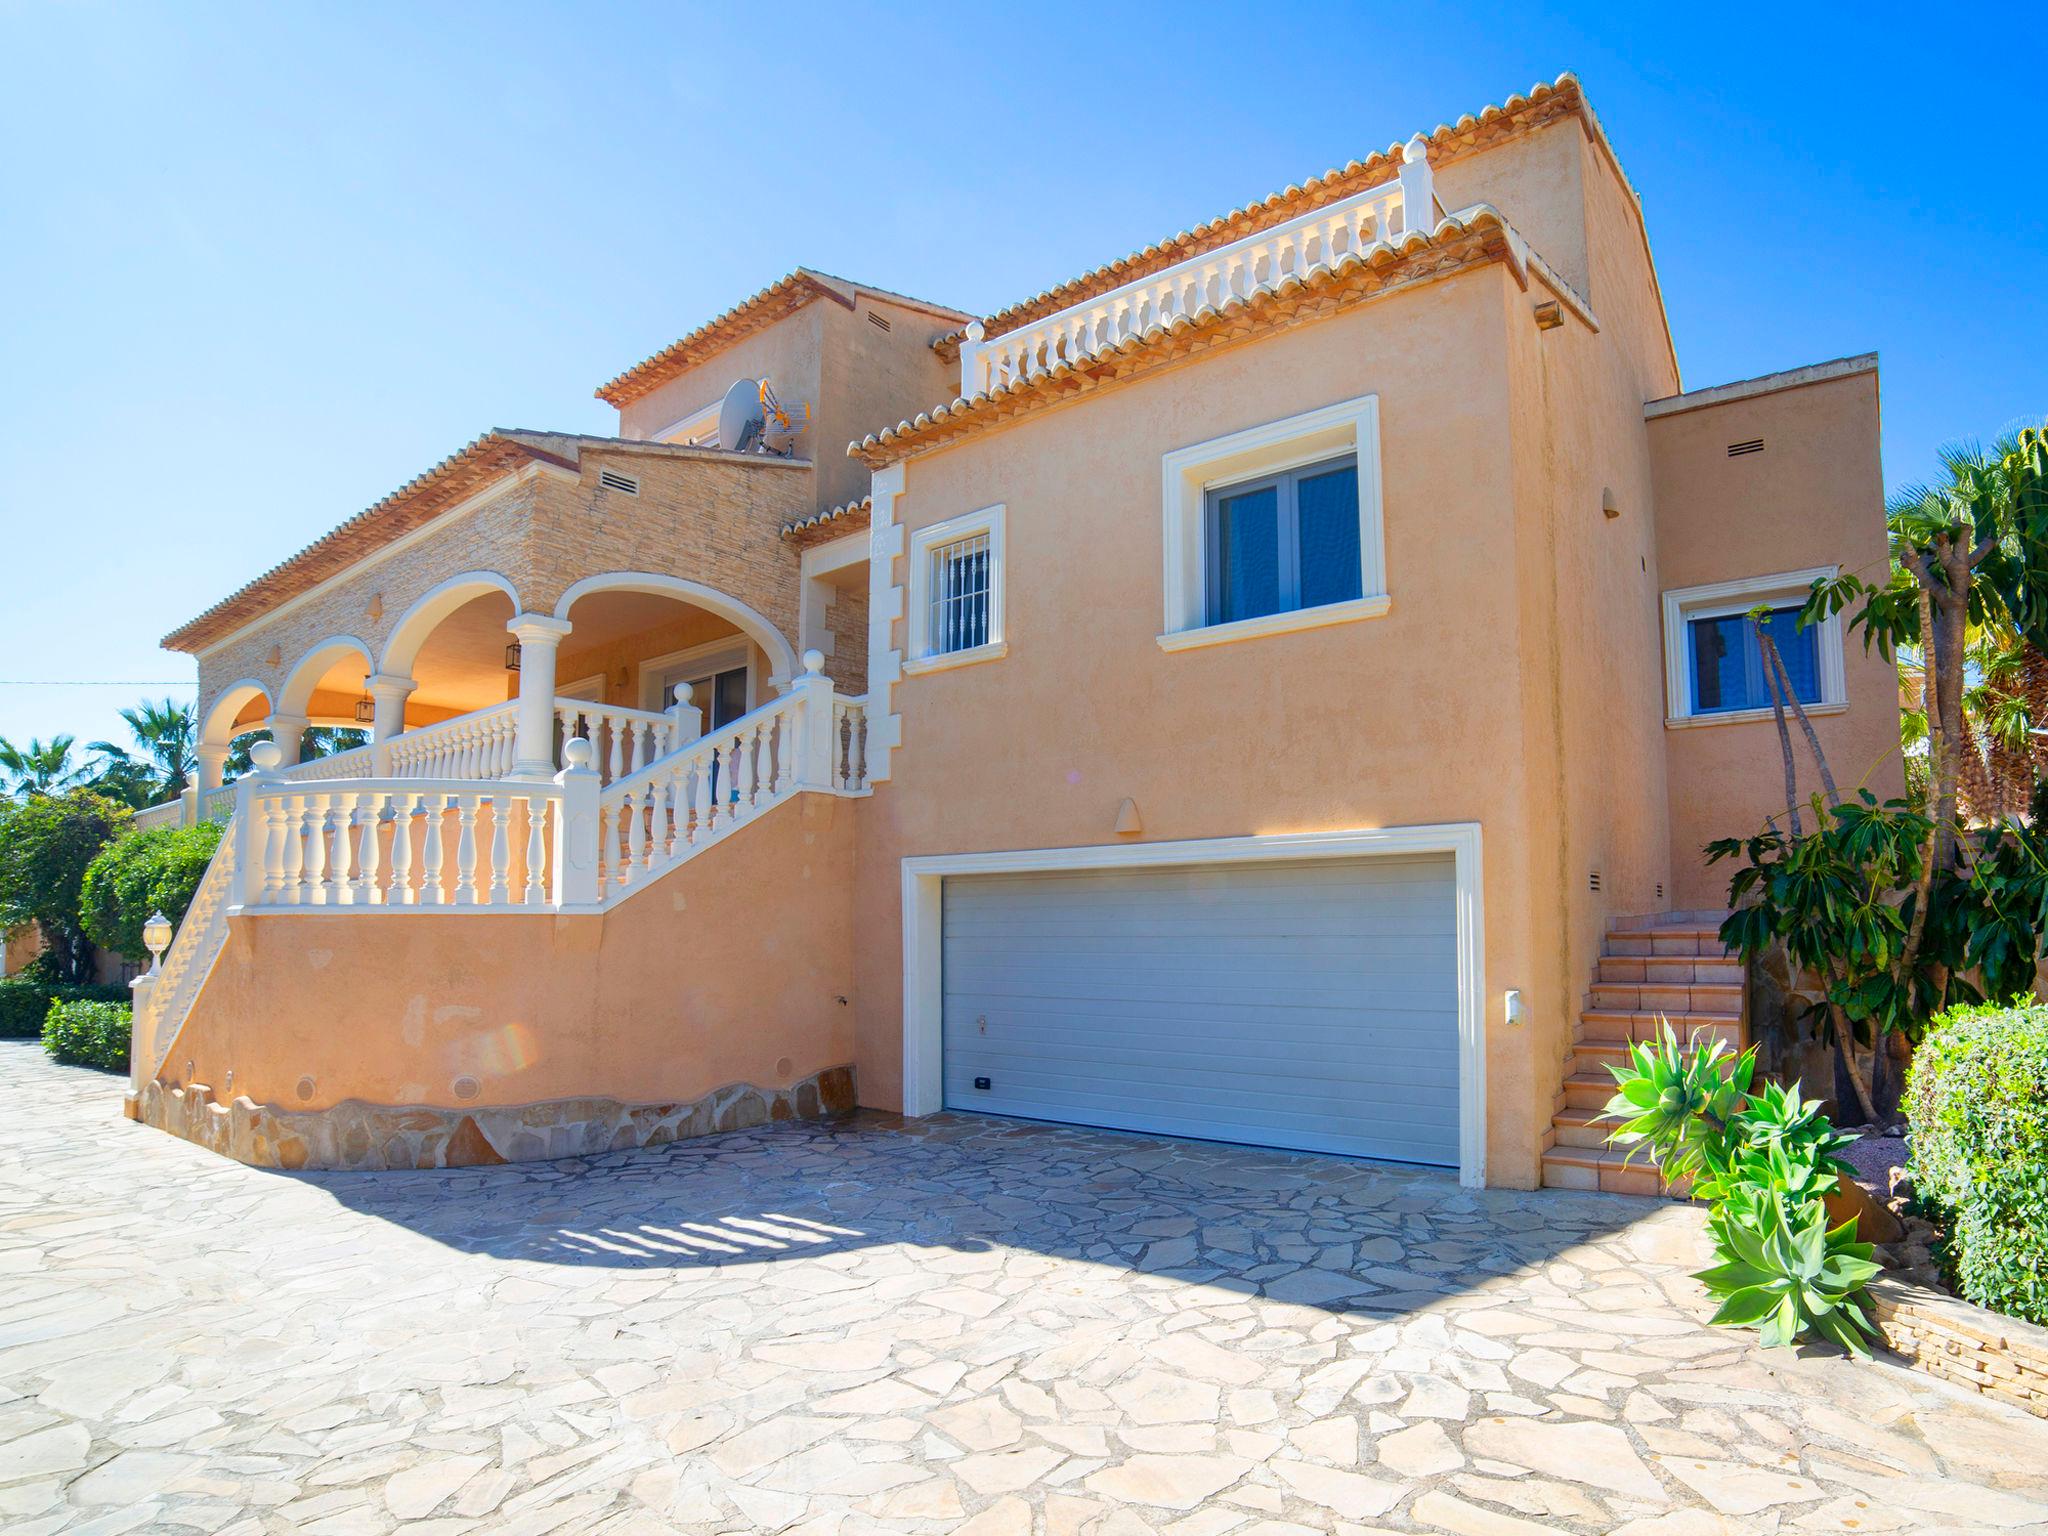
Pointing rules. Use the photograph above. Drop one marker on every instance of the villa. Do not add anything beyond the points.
(1242, 692)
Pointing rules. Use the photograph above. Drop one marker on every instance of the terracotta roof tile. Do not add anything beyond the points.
(779, 299)
(853, 514)
(1449, 142)
(413, 505)
(1475, 235)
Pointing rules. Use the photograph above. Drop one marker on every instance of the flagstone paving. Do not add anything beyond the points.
(953, 1325)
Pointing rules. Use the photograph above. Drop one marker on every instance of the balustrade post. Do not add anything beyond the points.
(250, 831)
(533, 751)
(970, 360)
(688, 718)
(1418, 188)
(576, 831)
(814, 733)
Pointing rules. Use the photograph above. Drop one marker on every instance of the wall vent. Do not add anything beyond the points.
(612, 480)
(1596, 879)
(1737, 450)
(879, 321)
(1660, 890)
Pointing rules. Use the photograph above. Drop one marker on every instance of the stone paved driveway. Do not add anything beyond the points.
(956, 1326)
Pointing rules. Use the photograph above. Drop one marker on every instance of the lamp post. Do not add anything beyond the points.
(156, 938)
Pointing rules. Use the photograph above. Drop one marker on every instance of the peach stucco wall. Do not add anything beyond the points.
(719, 972)
(1813, 497)
(1413, 718)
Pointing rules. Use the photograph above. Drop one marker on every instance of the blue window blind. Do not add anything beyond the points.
(1284, 542)
(1726, 663)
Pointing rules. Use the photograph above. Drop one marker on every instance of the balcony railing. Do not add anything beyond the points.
(1208, 281)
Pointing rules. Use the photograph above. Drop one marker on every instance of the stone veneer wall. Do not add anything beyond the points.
(359, 1137)
(2001, 1357)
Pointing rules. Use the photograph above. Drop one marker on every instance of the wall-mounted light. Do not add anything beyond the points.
(512, 657)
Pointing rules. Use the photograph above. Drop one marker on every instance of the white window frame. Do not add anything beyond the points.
(722, 655)
(1188, 475)
(699, 422)
(924, 542)
(1719, 599)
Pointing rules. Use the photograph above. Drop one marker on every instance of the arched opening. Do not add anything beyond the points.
(241, 707)
(327, 683)
(458, 663)
(605, 608)
(634, 638)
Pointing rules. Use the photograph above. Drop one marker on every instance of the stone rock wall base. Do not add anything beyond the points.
(359, 1137)
(2002, 1357)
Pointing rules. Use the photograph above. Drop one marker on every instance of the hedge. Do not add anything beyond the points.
(139, 873)
(88, 1034)
(1977, 1096)
(25, 1003)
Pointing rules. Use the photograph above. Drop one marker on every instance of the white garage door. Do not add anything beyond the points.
(1310, 1004)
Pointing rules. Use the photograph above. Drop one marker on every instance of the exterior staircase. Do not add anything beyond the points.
(1671, 967)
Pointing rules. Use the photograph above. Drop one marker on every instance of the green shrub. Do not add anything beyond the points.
(25, 1002)
(1977, 1096)
(140, 873)
(88, 1034)
(1766, 1158)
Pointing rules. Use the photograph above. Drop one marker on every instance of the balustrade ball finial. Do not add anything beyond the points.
(266, 755)
(1416, 149)
(576, 752)
(976, 330)
(682, 693)
(814, 662)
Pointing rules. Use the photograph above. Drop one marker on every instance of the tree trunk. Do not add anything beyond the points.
(1845, 1050)
(1782, 684)
(1784, 743)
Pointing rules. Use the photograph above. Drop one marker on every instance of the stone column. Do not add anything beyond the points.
(211, 761)
(389, 694)
(285, 730)
(533, 749)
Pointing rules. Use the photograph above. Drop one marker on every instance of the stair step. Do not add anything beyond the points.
(1614, 1025)
(1580, 1128)
(1667, 970)
(1587, 1090)
(1700, 997)
(1687, 939)
(1603, 1168)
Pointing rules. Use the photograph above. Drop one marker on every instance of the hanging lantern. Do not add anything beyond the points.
(366, 710)
(512, 657)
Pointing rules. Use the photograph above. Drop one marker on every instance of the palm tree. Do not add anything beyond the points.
(163, 731)
(40, 768)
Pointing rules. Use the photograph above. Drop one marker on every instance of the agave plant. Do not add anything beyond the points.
(1784, 1272)
(1677, 1104)
(1766, 1160)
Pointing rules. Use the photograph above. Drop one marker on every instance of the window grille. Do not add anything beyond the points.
(960, 595)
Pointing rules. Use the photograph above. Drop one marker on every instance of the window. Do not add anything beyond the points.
(1275, 528)
(956, 592)
(1283, 542)
(1726, 661)
(959, 583)
(1714, 665)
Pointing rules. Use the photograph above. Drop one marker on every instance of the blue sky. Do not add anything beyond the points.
(259, 265)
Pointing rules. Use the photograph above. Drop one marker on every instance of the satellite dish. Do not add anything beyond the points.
(740, 416)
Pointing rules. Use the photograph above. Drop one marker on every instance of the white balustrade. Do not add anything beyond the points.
(353, 763)
(849, 744)
(1300, 245)
(478, 745)
(687, 798)
(167, 813)
(448, 843)
(622, 741)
